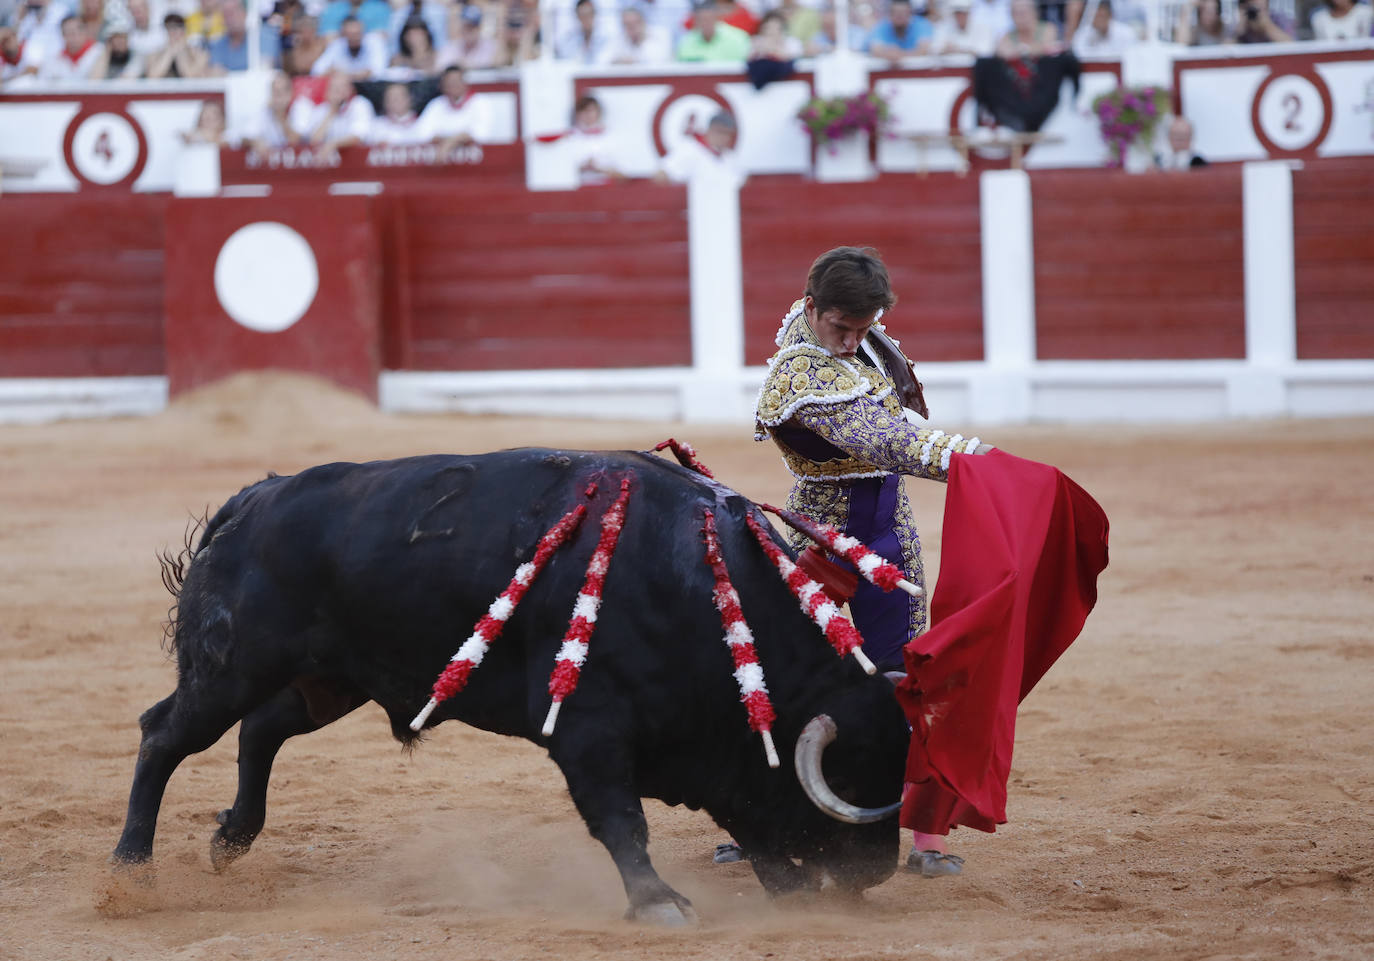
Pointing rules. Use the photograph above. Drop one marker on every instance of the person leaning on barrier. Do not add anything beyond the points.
(454, 118)
(342, 119)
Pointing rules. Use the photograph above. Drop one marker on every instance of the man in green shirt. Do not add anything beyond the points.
(709, 40)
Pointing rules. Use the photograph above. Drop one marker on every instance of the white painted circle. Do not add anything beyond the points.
(1291, 112)
(105, 148)
(690, 112)
(266, 277)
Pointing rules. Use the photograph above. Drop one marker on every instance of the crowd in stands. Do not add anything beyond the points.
(57, 40)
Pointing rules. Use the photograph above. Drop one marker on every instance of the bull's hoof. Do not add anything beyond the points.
(668, 914)
(134, 870)
(224, 852)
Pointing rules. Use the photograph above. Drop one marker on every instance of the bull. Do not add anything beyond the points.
(310, 595)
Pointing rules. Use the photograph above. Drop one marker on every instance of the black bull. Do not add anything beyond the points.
(310, 595)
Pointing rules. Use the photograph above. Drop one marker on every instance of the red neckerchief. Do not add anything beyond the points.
(459, 105)
(705, 143)
(79, 54)
(590, 131)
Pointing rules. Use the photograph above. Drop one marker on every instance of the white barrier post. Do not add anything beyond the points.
(714, 392)
(1270, 292)
(1001, 392)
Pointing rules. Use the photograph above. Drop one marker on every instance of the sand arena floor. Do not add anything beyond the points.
(1192, 780)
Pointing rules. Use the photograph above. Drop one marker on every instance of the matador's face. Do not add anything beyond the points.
(837, 332)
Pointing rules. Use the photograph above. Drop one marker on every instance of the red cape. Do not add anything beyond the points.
(1021, 552)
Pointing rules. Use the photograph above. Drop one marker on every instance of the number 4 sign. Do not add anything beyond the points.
(105, 148)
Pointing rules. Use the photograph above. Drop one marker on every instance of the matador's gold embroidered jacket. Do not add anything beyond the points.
(838, 423)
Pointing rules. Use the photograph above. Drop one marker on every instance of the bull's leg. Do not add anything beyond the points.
(189, 721)
(600, 778)
(302, 707)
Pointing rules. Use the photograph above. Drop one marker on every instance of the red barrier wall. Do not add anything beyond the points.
(81, 285)
(1147, 267)
(1333, 253)
(500, 279)
(926, 230)
(337, 334)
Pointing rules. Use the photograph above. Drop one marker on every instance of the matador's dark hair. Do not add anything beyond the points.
(852, 280)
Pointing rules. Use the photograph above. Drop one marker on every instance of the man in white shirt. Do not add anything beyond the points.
(74, 57)
(398, 124)
(638, 43)
(960, 33)
(586, 42)
(357, 54)
(701, 155)
(342, 119)
(994, 16)
(454, 118)
(1342, 20)
(1104, 36)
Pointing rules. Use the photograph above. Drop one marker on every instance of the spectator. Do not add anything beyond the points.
(903, 34)
(40, 23)
(823, 40)
(737, 15)
(398, 125)
(17, 59)
(994, 16)
(958, 32)
(372, 14)
(695, 154)
(588, 146)
(74, 58)
(230, 51)
(118, 61)
(91, 13)
(710, 41)
(434, 14)
(357, 54)
(454, 118)
(145, 36)
(209, 128)
(307, 46)
(416, 58)
(178, 58)
(1104, 36)
(1179, 155)
(668, 16)
(1030, 37)
(272, 128)
(206, 24)
(1200, 24)
(638, 42)
(342, 119)
(772, 53)
(520, 37)
(585, 42)
(802, 22)
(1258, 25)
(1342, 20)
(772, 42)
(468, 47)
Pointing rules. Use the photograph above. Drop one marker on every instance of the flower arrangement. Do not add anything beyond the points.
(830, 119)
(1129, 115)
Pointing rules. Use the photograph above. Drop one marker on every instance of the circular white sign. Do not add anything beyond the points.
(266, 277)
(105, 148)
(1291, 112)
(690, 113)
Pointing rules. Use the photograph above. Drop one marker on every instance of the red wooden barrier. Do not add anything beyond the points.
(926, 230)
(1138, 267)
(81, 285)
(502, 279)
(1333, 252)
(218, 322)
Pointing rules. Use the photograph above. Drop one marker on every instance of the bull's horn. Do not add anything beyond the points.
(815, 737)
(896, 677)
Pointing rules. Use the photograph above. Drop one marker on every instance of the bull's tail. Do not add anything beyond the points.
(175, 563)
